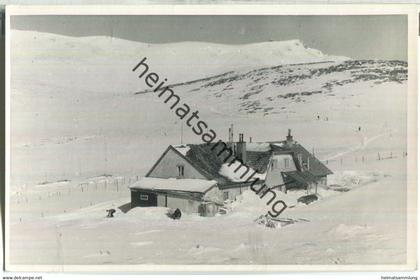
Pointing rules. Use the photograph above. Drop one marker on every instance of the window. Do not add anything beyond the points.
(180, 171)
(274, 164)
(286, 162)
(144, 197)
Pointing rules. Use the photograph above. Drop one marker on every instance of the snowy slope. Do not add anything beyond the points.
(269, 90)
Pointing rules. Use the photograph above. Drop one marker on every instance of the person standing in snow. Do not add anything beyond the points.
(110, 213)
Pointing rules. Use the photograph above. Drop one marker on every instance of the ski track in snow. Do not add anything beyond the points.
(147, 232)
(141, 243)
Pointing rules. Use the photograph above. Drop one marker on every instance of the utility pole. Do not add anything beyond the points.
(101, 133)
(80, 166)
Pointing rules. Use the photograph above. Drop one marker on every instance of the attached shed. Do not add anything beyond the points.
(301, 180)
(189, 195)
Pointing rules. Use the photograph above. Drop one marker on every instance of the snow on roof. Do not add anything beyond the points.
(280, 144)
(235, 176)
(173, 184)
(183, 149)
(258, 147)
(282, 156)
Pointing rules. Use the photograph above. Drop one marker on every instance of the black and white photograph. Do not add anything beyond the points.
(228, 139)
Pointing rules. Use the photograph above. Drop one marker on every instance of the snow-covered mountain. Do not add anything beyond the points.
(262, 77)
(269, 90)
(178, 62)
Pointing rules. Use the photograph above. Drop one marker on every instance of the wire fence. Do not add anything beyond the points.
(49, 199)
(361, 158)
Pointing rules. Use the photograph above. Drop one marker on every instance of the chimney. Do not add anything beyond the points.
(250, 139)
(289, 137)
(241, 148)
(230, 133)
(230, 143)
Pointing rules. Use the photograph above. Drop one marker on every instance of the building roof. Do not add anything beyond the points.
(206, 160)
(303, 177)
(173, 184)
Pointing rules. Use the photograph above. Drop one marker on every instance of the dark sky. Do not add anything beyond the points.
(358, 37)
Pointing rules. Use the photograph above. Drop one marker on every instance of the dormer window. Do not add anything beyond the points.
(300, 159)
(274, 164)
(180, 170)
